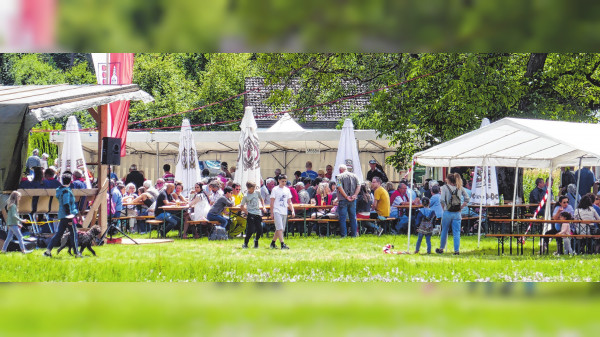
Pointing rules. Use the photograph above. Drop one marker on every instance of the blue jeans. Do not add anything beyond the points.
(13, 231)
(216, 217)
(62, 226)
(427, 240)
(346, 207)
(451, 219)
(170, 219)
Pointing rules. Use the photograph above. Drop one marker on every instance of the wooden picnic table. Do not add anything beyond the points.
(175, 208)
(501, 237)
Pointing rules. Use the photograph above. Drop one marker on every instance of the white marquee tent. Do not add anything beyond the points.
(513, 142)
(280, 146)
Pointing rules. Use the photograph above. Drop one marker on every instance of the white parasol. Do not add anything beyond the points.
(187, 170)
(71, 157)
(348, 152)
(248, 163)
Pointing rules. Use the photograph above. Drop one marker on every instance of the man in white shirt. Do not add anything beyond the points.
(281, 200)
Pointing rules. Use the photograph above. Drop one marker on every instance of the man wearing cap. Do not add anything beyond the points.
(135, 177)
(376, 171)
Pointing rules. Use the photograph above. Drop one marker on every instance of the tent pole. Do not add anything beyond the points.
(482, 200)
(412, 166)
(514, 201)
(548, 209)
(157, 162)
(578, 180)
(102, 169)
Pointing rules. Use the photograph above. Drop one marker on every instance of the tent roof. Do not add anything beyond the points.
(285, 123)
(48, 101)
(518, 142)
(21, 107)
(228, 141)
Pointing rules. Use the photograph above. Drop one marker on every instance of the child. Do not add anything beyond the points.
(250, 203)
(13, 223)
(424, 223)
(565, 230)
(281, 199)
(224, 201)
(67, 210)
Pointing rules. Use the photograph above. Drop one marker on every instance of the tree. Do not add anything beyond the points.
(450, 93)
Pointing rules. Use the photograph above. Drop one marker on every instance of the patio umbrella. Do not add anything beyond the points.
(187, 170)
(348, 152)
(71, 157)
(248, 163)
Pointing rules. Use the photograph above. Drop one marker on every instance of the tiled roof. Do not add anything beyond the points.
(324, 116)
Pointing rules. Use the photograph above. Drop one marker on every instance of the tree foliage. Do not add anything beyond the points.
(454, 93)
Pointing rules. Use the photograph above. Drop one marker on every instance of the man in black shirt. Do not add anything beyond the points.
(165, 199)
(376, 171)
(537, 194)
(135, 177)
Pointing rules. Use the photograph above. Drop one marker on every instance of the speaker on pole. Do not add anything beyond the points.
(111, 151)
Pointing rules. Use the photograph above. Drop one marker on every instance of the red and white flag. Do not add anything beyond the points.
(115, 68)
(27, 25)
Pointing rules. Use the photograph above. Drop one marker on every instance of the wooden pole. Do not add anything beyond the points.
(102, 169)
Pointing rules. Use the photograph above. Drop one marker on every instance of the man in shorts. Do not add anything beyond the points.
(281, 200)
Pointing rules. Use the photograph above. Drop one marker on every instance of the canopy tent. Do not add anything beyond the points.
(285, 124)
(514, 142)
(21, 107)
(284, 149)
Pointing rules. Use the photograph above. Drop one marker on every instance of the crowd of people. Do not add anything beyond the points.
(344, 199)
(573, 203)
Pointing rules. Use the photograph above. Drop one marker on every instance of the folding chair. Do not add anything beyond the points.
(43, 207)
(25, 207)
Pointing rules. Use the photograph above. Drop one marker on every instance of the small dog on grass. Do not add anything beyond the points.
(84, 240)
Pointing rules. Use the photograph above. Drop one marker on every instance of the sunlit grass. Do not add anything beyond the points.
(310, 259)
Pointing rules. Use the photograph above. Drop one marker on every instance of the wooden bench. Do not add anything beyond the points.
(157, 223)
(197, 223)
(502, 237)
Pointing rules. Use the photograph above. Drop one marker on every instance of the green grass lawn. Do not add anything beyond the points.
(309, 259)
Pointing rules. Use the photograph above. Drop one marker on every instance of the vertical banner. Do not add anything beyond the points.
(115, 69)
(27, 24)
(478, 189)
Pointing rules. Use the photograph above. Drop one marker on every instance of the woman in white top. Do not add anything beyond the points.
(199, 201)
(584, 211)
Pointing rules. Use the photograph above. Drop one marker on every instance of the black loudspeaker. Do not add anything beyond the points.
(111, 151)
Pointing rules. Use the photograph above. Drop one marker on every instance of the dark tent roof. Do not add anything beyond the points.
(21, 107)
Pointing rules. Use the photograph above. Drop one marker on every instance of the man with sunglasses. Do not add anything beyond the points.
(561, 206)
(160, 184)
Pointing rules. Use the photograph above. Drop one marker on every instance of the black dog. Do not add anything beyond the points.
(84, 240)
